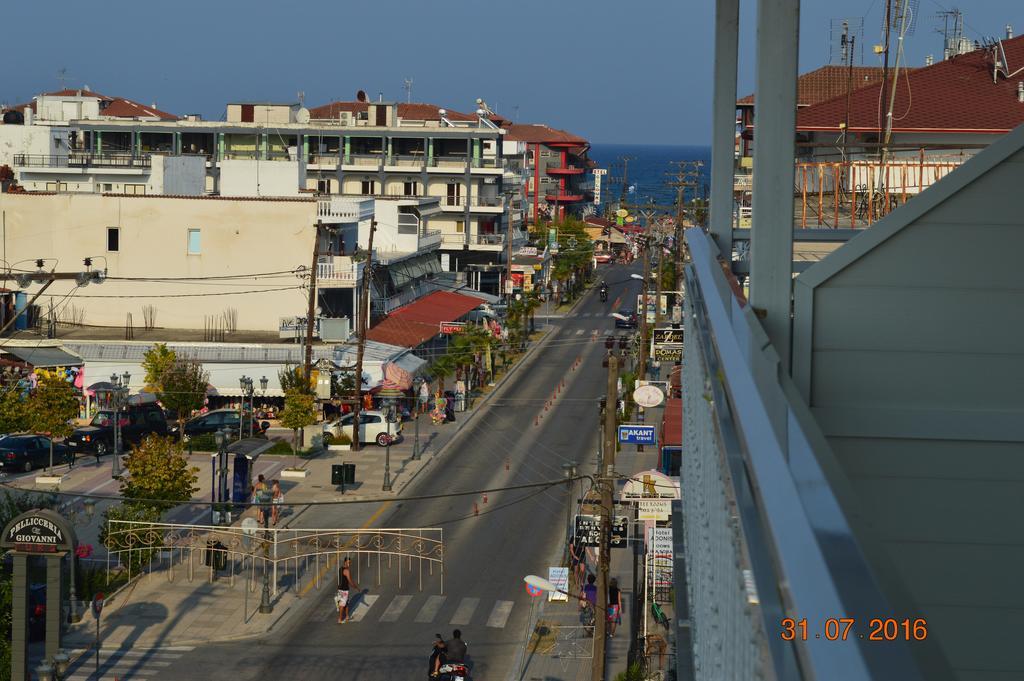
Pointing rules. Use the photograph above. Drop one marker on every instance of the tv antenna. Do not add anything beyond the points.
(846, 35)
(62, 76)
(301, 94)
(408, 90)
(904, 13)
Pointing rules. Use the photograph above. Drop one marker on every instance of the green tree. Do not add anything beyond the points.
(299, 412)
(158, 469)
(13, 411)
(51, 408)
(156, 361)
(290, 378)
(183, 388)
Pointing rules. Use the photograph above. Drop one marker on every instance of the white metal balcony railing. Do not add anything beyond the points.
(473, 202)
(765, 536)
(339, 270)
(473, 239)
(430, 237)
(337, 209)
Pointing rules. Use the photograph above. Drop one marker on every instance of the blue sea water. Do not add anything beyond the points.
(648, 171)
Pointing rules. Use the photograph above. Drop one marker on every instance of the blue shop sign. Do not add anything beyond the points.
(633, 434)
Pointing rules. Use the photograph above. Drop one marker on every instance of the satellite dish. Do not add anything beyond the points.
(442, 112)
(302, 115)
(479, 100)
(360, 96)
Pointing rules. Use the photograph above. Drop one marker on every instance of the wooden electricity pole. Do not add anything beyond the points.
(363, 319)
(605, 480)
(307, 365)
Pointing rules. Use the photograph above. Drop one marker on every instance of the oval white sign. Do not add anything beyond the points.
(648, 396)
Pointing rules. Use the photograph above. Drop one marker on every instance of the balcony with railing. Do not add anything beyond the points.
(483, 204)
(339, 271)
(488, 241)
(406, 162)
(344, 209)
(565, 170)
(82, 160)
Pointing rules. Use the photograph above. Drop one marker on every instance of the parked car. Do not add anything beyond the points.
(372, 428)
(212, 421)
(630, 321)
(603, 258)
(24, 452)
(137, 421)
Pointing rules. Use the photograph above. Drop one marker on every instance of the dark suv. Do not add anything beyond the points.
(137, 421)
(212, 421)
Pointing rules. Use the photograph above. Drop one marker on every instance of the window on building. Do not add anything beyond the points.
(56, 186)
(108, 187)
(194, 242)
(368, 187)
(460, 226)
(113, 239)
(410, 189)
(135, 189)
(323, 186)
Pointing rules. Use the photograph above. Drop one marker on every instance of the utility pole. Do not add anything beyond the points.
(307, 366)
(363, 315)
(605, 480)
(886, 26)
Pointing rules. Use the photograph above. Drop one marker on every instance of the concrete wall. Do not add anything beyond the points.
(261, 178)
(31, 139)
(264, 113)
(177, 176)
(236, 237)
(915, 375)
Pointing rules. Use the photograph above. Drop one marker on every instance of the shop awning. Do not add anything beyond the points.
(44, 357)
(418, 322)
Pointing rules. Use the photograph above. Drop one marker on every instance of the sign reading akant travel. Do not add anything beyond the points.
(36, 534)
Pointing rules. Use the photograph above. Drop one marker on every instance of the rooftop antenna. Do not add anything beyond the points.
(952, 32)
(302, 97)
(844, 35)
(408, 90)
(62, 76)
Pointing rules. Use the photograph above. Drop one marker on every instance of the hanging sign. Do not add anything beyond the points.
(559, 576)
(452, 327)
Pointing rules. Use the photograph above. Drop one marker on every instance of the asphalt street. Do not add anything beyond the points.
(520, 436)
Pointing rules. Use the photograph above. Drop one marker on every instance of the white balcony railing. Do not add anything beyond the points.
(337, 209)
(339, 270)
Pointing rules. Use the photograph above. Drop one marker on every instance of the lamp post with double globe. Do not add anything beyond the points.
(417, 383)
(119, 397)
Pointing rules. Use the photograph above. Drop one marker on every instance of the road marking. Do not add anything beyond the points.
(465, 611)
(429, 610)
(395, 608)
(579, 332)
(360, 606)
(327, 568)
(499, 615)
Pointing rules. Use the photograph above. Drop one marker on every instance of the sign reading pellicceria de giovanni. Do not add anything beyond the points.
(38, 531)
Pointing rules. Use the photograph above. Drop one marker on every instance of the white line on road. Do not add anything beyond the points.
(499, 615)
(395, 608)
(360, 606)
(579, 332)
(429, 610)
(465, 611)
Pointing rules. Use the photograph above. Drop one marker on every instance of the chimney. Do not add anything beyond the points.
(929, 60)
(1020, 91)
(1009, 32)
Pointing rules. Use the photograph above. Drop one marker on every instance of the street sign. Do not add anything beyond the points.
(648, 396)
(452, 327)
(668, 353)
(667, 336)
(588, 529)
(533, 590)
(97, 604)
(653, 509)
(559, 576)
(634, 434)
(650, 484)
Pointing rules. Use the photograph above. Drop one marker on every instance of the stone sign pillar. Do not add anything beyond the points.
(39, 532)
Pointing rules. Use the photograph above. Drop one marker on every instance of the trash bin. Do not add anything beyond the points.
(343, 474)
(215, 555)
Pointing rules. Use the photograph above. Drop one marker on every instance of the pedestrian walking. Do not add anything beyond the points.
(578, 558)
(424, 396)
(345, 586)
(259, 492)
(614, 606)
(276, 499)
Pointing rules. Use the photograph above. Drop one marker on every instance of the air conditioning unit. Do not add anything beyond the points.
(345, 117)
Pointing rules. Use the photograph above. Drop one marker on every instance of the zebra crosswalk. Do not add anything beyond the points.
(123, 663)
(422, 609)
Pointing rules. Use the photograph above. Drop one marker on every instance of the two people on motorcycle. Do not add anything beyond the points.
(604, 291)
(446, 656)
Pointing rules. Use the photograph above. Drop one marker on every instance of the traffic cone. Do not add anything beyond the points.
(476, 509)
(485, 498)
(506, 462)
(536, 422)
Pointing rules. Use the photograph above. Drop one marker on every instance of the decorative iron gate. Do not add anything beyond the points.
(295, 555)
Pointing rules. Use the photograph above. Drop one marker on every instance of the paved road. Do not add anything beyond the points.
(517, 438)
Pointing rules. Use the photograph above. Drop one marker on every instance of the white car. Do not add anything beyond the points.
(372, 428)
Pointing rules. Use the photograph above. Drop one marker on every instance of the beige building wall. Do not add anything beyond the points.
(235, 237)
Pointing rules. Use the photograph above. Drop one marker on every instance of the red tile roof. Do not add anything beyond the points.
(828, 82)
(116, 107)
(955, 95)
(535, 133)
(415, 111)
(418, 322)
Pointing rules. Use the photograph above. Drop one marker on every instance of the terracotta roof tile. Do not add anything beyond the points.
(420, 320)
(116, 107)
(957, 94)
(414, 111)
(535, 133)
(828, 82)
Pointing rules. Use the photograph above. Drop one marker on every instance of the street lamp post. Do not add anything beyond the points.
(246, 385)
(266, 607)
(570, 472)
(221, 439)
(389, 408)
(417, 383)
(120, 399)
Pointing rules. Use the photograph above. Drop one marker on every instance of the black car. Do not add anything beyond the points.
(137, 421)
(22, 453)
(630, 321)
(211, 422)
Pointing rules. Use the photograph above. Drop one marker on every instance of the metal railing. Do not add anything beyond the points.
(766, 538)
(373, 160)
(345, 271)
(81, 160)
(473, 239)
(413, 161)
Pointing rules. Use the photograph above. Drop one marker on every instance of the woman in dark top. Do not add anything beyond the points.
(437, 656)
(614, 606)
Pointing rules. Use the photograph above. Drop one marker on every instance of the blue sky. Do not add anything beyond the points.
(635, 71)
